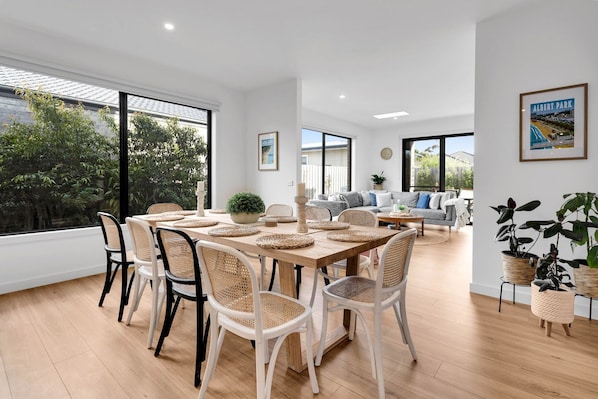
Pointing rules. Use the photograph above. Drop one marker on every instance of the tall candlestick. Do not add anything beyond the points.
(301, 200)
(200, 195)
(300, 189)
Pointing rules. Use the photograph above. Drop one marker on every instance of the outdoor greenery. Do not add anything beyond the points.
(62, 168)
(245, 202)
(457, 174)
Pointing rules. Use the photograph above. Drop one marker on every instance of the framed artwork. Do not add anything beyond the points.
(268, 151)
(553, 124)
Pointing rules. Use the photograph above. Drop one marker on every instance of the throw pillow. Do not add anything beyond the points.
(445, 197)
(365, 198)
(384, 199)
(423, 201)
(353, 198)
(333, 198)
(435, 200)
(373, 199)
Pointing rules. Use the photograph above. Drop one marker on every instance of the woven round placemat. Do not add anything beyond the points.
(352, 236)
(195, 223)
(184, 212)
(217, 211)
(233, 231)
(161, 217)
(328, 225)
(284, 241)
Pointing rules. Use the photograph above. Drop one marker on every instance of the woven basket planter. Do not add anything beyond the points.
(520, 271)
(553, 306)
(586, 281)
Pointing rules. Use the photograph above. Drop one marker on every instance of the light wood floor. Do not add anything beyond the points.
(55, 342)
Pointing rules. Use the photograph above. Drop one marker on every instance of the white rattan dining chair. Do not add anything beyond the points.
(317, 213)
(356, 217)
(360, 294)
(237, 305)
(163, 207)
(148, 268)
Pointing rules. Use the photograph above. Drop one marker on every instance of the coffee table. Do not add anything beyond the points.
(398, 219)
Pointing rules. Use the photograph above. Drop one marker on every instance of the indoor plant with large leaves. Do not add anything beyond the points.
(519, 265)
(581, 211)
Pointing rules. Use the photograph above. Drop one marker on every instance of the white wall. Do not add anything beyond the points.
(393, 138)
(362, 143)
(547, 46)
(276, 108)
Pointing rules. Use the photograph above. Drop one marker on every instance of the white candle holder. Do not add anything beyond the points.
(301, 223)
(200, 196)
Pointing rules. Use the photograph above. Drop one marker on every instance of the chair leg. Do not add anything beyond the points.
(124, 295)
(110, 275)
(401, 314)
(323, 332)
(171, 308)
(216, 338)
(378, 355)
(274, 263)
(138, 291)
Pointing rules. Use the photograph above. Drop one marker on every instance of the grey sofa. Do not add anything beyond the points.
(436, 213)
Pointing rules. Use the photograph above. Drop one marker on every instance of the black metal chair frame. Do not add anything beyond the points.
(174, 296)
(116, 259)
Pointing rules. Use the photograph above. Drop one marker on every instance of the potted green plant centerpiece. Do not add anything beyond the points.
(245, 207)
(378, 181)
(581, 210)
(519, 265)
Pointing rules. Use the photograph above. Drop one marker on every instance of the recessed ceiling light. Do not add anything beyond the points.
(391, 115)
(342, 96)
(168, 26)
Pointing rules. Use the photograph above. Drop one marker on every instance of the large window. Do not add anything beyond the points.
(438, 163)
(325, 163)
(68, 150)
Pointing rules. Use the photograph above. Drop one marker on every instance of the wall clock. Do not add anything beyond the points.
(386, 153)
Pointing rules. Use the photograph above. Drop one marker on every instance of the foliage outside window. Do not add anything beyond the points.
(61, 168)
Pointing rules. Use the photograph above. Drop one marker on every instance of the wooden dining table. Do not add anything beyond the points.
(323, 252)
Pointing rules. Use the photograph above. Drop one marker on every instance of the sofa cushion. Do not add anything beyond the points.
(334, 197)
(435, 200)
(373, 199)
(365, 198)
(406, 198)
(445, 197)
(423, 201)
(353, 198)
(383, 199)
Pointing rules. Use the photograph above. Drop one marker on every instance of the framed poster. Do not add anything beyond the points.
(553, 124)
(268, 151)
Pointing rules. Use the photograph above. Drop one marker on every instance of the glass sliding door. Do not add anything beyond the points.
(325, 163)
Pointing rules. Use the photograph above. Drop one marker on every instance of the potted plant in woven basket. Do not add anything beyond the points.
(245, 207)
(378, 181)
(581, 211)
(553, 299)
(519, 265)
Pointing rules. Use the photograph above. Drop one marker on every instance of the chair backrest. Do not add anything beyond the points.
(181, 266)
(317, 213)
(279, 210)
(113, 234)
(394, 263)
(144, 246)
(358, 217)
(231, 283)
(164, 207)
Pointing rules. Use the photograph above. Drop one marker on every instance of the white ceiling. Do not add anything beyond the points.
(384, 55)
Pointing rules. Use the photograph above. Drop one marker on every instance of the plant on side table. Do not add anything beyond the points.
(245, 207)
(378, 181)
(519, 265)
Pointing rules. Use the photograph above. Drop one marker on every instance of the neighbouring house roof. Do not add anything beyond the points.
(463, 157)
(69, 90)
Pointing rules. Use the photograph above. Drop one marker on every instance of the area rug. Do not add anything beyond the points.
(432, 237)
